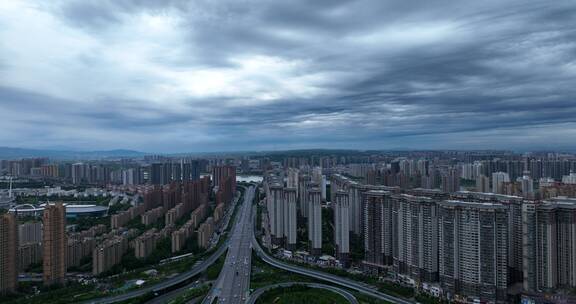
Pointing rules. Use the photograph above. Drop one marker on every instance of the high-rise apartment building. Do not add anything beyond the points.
(290, 219)
(355, 199)
(451, 181)
(498, 180)
(482, 184)
(292, 180)
(219, 173)
(303, 182)
(514, 209)
(415, 226)
(108, 254)
(378, 230)
(473, 249)
(191, 170)
(8, 253)
(275, 207)
(549, 242)
(341, 206)
(315, 220)
(54, 244)
(30, 232)
(320, 180)
(527, 186)
(78, 173)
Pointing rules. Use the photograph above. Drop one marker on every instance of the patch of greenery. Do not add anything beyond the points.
(264, 275)
(300, 294)
(118, 207)
(85, 223)
(467, 182)
(35, 267)
(136, 223)
(190, 294)
(71, 293)
(214, 270)
(395, 289)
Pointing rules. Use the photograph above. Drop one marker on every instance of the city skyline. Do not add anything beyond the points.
(177, 77)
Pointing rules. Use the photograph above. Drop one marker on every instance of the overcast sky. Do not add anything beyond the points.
(176, 76)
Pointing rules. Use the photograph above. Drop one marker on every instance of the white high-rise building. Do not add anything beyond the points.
(355, 200)
(303, 182)
(415, 229)
(290, 224)
(477, 168)
(292, 181)
(482, 184)
(569, 179)
(467, 171)
(527, 186)
(315, 220)
(275, 213)
(498, 180)
(342, 226)
(473, 250)
(77, 173)
(319, 179)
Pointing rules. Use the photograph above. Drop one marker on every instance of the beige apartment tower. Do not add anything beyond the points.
(8, 254)
(54, 244)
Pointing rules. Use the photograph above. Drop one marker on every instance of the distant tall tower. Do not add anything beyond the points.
(8, 254)
(10, 191)
(54, 244)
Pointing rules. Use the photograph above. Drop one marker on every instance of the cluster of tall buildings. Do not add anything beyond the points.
(146, 243)
(81, 244)
(24, 167)
(299, 200)
(166, 172)
(471, 244)
(205, 232)
(224, 178)
(184, 233)
(54, 246)
(58, 249)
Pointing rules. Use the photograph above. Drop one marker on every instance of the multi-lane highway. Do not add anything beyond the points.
(233, 283)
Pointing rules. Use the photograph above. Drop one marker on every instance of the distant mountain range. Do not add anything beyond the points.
(16, 153)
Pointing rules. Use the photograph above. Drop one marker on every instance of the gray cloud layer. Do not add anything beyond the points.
(171, 76)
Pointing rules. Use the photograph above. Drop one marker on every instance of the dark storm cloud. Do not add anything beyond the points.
(372, 74)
